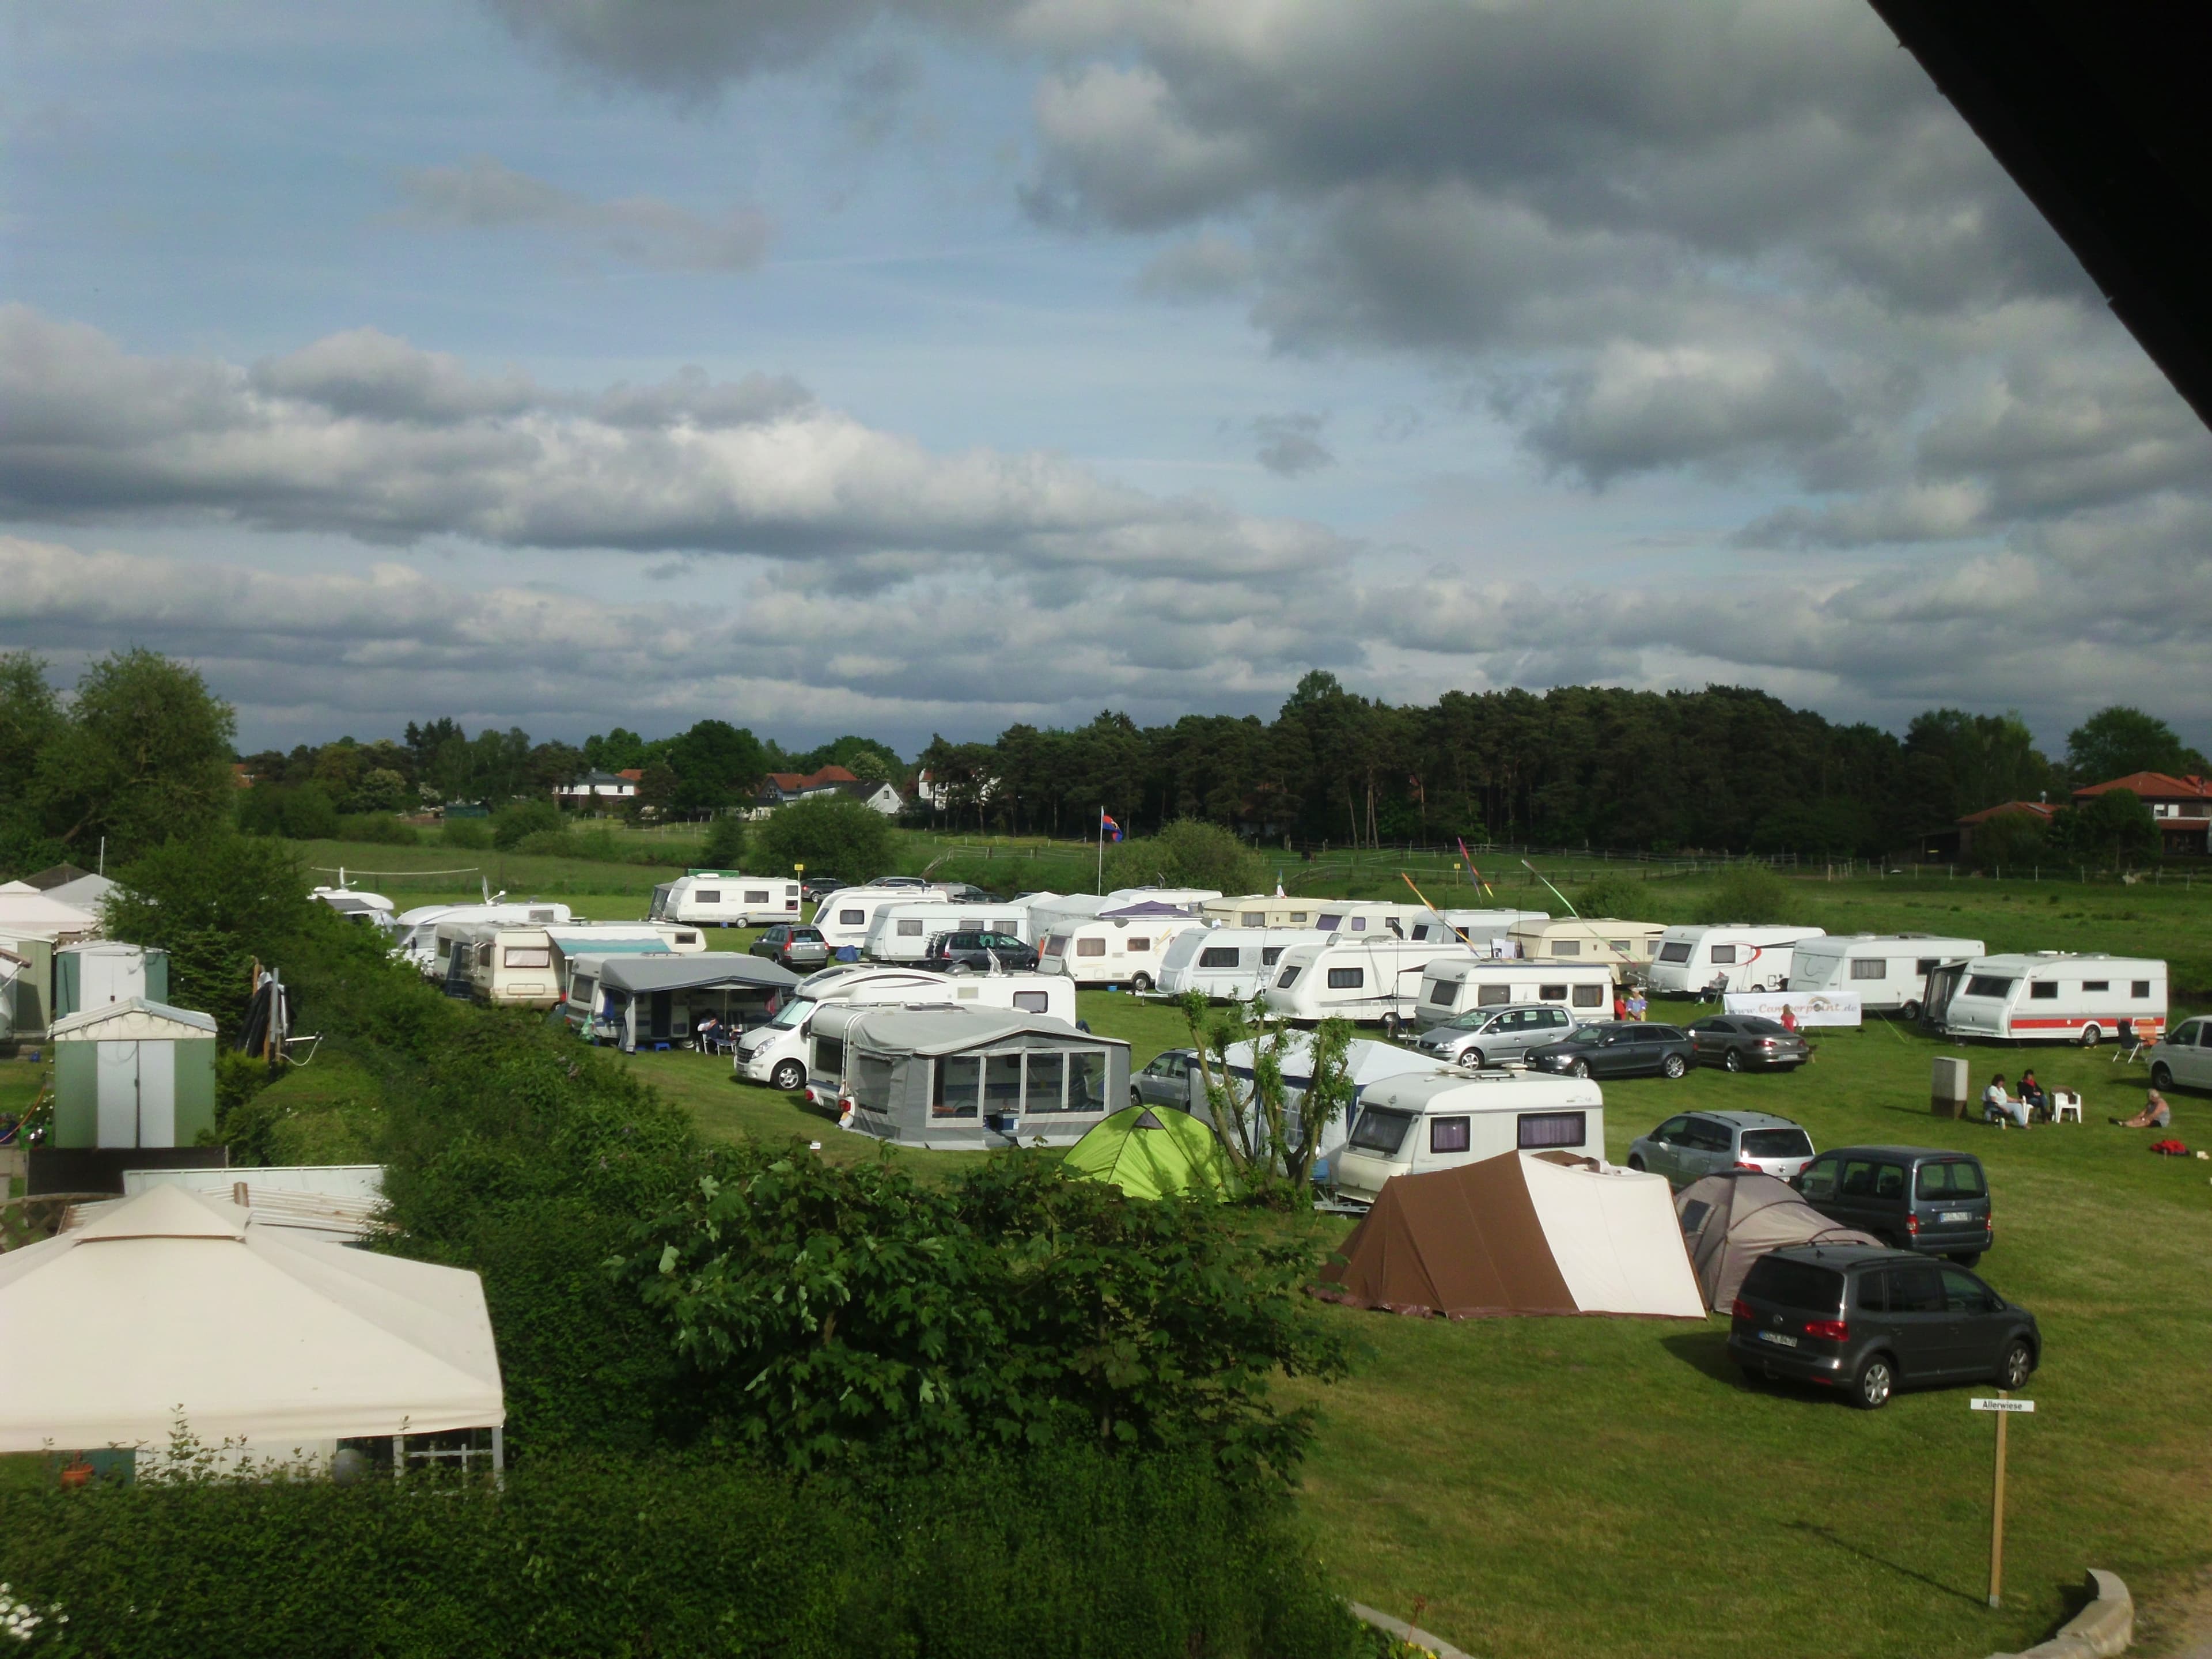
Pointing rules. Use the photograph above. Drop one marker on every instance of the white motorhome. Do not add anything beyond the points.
(846, 916)
(1115, 948)
(902, 933)
(1607, 940)
(726, 898)
(2053, 996)
(1886, 972)
(1455, 985)
(775, 1053)
(1229, 964)
(514, 965)
(1735, 956)
(415, 940)
(1374, 980)
(1441, 1119)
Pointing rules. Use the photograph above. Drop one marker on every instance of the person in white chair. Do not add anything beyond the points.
(2000, 1108)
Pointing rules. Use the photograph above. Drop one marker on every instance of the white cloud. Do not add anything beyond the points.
(481, 193)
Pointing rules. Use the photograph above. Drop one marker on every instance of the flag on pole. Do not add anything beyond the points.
(1106, 827)
(1471, 869)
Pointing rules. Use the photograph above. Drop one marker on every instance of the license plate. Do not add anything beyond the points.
(1778, 1339)
(1955, 1218)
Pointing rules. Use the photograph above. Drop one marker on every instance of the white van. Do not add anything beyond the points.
(2053, 996)
(725, 898)
(1229, 964)
(1110, 950)
(1374, 981)
(1441, 1119)
(1735, 956)
(1886, 972)
(416, 936)
(1608, 939)
(776, 1053)
(902, 933)
(1455, 985)
(846, 916)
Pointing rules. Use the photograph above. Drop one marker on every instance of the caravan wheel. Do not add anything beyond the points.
(1389, 1028)
(2092, 1035)
(1910, 1013)
(1141, 983)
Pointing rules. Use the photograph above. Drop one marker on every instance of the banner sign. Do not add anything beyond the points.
(1811, 1007)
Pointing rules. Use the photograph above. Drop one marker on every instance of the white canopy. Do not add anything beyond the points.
(173, 1305)
(26, 912)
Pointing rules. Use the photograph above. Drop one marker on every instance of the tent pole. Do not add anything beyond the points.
(398, 1457)
(499, 1457)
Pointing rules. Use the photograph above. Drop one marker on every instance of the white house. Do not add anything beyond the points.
(781, 788)
(595, 787)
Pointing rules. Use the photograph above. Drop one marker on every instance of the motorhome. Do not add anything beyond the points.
(1455, 985)
(1607, 940)
(902, 933)
(775, 1052)
(1441, 1118)
(1731, 957)
(1229, 964)
(512, 964)
(2054, 996)
(726, 898)
(415, 937)
(846, 916)
(1373, 981)
(1886, 972)
(1127, 946)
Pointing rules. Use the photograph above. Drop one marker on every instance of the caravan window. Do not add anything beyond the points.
(1445, 993)
(1138, 947)
(852, 918)
(1030, 1002)
(2140, 991)
(1056, 945)
(1270, 955)
(1491, 996)
(1451, 1134)
(1091, 947)
(752, 898)
(2044, 990)
(1723, 955)
(1551, 993)
(711, 896)
(1567, 947)
(1590, 996)
(1329, 923)
(1254, 918)
(1289, 977)
(1989, 985)
(1298, 918)
(973, 927)
(1346, 978)
(2096, 985)
(1675, 951)
(954, 1086)
(1381, 1131)
(1359, 924)
(1045, 1088)
(909, 927)
(1926, 966)
(527, 958)
(1221, 955)
(829, 1055)
(872, 1081)
(1537, 1130)
(1870, 967)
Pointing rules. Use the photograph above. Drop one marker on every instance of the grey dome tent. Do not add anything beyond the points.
(1730, 1220)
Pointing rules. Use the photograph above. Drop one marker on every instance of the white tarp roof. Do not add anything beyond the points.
(1615, 1236)
(172, 1303)
(25, 910)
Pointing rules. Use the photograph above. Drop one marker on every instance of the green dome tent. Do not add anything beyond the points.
(1152, 1151)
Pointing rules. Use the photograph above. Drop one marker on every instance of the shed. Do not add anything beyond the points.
(966, 1077)
(133, 1074)
(660, 998)
(97, 972)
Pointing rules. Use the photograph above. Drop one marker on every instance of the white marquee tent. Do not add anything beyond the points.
(173, 1304)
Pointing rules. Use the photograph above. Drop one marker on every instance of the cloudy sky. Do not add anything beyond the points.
(829, 366)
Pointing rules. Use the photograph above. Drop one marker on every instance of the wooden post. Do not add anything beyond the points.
(1996, 1515)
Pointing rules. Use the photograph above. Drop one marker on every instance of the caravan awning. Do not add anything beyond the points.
(717, 971)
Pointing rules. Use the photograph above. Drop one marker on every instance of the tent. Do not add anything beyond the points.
(658, 997)
(1153, 1153)
(1731, 1220)
(1520, 1233)
(173, 1305)
(960, 1076)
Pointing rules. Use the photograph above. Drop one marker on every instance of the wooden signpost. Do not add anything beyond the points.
(2004, 1405)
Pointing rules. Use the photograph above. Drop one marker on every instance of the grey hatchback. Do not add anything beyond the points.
(1166, 1080)
(1697, 1144)
(1484, 1036)
(1874, 1321)
(1916, 1198)
(794, 947)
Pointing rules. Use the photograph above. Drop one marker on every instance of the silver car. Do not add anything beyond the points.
(1698, 1144)
(1165, 1081)
(1490, 1036)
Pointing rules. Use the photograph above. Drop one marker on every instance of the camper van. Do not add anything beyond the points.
(1886, 972)
(1441, 1119)
(775, 1052)
(1578, 938)
(1452, 985)
(724, 898)
(1125, 947)
(1374, 981)
(1229, 964)
(1735, 956)
(846, 916)
(416, 937)
(902, 933)
(2053, 996)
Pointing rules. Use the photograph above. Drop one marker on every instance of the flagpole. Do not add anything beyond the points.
(1100, 888)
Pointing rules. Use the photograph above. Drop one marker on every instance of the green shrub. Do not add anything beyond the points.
(380, 828)
(1616, 894)
(726, 844)
(830, 833)
(510, 825)
(1748, 892)
(547, 844)
(470, 834)
(1188, 853)
(2010, 840)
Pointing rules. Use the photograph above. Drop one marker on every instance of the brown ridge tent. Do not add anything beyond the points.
(1730, 1221)
(1520, 1233)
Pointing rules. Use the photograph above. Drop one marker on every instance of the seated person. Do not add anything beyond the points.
(2155, 1114)
(710, 1033)
(2000, 1108)
(2031, 1091)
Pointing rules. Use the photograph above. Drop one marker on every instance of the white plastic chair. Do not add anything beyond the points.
(2064, 1104)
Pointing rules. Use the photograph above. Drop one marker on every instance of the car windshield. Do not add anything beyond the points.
(1473, 1019)
(1777, 1143)
(792, 1013)
(1587, 1034)
(1381, 1131)
(1764, 1027)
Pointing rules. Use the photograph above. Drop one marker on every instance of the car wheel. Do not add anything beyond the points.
(788, 1076)
(1732, 1061)
(2017, 1366)
(1872, 1387)
(1674, 1065)
(1136, 1099)
(2092, 1035)
(1910, 1012)
(2162, 1076)
(1636, 1162)
(1141, 982)
(1472, 1057)
(1965, 1258)
(1580, 1068)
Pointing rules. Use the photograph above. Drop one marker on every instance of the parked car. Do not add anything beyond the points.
(815, 889)
(1166, 1080)
(1624, 1047)
(1873, 1320)
(897, 881)
(1698, 1144)
(961, 892)
(794, 947)
(1916, 1198)
(1488, 1036)
(1736, 1042)
(947, 952)
(2183, 1057)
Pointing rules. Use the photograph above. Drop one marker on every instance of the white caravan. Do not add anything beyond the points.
(1616, 943)
(902, 933)
(2053, 996)
(1229, 964)
(725, 898)
(846, 916)
(825, 1050)
(514, 966)
(775, 1053)
(1441, 1119)
(1735, 956)
(1886, 972)
(1456, 985)
(1114, 949)
(415, 940)
(1374, 981)
(619, 938)
(1255, 910)
(368, 909)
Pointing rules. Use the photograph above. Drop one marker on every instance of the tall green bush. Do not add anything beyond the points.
(467, 835)
(726, 843)
(830, 834)
(1187, 853)
(1748, 892)
(1617, 894)
(511, 824)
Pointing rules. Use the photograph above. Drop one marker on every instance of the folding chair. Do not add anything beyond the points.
(2130, 1047)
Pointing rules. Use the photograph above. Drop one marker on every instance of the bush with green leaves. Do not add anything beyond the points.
(1748, 892)
(828, 834)
(379, 828)
(725, 847)
(2010, 840)
(1617, 894)
(1273, 1141)
(510, 825)
(466, 834)
(1188, 853)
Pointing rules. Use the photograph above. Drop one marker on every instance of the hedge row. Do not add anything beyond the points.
(1072, 1555)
